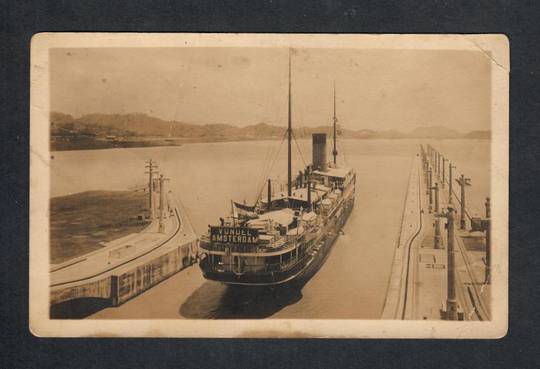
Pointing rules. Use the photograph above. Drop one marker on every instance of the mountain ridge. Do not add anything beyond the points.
(140, 125)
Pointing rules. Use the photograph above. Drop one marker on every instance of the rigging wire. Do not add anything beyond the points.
(261, 178)
(275, 156)
(266, 162)
(271, 166)
(342, 150)
(269, 171)
(299, 150)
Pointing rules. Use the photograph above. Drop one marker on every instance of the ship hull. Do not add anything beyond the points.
(302, 271)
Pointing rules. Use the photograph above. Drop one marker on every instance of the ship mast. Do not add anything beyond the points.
(334, 152)
(289, 137)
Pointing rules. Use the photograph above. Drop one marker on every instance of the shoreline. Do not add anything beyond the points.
(177, 142)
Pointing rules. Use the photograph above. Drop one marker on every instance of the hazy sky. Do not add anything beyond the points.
(376, 89)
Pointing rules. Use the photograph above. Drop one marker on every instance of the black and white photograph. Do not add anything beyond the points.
(269, 185)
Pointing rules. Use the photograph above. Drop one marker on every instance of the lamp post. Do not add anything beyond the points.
(444, 160)
(451, 302)
(438, 165)
(437, 238)
(429, 189)
(450, 191)
(462, 181)
(152, 166)
(161, 203)
(488, 241)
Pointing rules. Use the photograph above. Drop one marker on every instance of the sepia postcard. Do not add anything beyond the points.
(269, 185)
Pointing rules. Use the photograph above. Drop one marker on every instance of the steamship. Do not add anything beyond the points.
(285, 236)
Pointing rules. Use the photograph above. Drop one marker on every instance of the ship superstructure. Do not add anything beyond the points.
(286, 235)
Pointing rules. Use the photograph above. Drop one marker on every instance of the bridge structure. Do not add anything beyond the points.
(128, 266)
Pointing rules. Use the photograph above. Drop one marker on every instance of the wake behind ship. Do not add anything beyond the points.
(288, 235)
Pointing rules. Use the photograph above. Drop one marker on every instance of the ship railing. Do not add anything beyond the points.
(274, 267)
(230, 248)
(277, 245)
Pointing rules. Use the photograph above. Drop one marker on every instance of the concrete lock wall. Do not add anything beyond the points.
(99, 289)
(141, 277)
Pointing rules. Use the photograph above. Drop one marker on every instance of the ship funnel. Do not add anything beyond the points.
(319, 152)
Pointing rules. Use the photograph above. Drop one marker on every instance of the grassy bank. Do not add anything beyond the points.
(98, 144)
(81, 221)
(90, 144)
(129, 143)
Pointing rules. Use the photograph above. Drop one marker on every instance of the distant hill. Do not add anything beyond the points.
(433, 132)
(437, 132)
(369, 133)
(137, 124)
(141, 126)
(483, 135)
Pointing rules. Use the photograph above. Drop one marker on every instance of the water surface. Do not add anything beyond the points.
(206, 176)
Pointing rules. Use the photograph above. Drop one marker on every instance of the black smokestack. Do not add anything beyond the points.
(319, 152)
